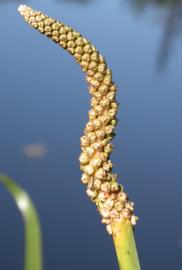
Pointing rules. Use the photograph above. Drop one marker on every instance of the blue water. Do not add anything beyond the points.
(44, 101)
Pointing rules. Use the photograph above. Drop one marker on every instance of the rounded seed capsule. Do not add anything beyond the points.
(103, 156)
(108, 148)
(84, 158)
(98, 95)
(38, 18)
(107, 165)
(71, 44)
(105, 102)
(96, 162)
(63, 30)
(98, 76)
(32, 19)
(100, 133)
(114, 214)
(71, 50)
(63, 37)
(95, 56)
(97, 183)
(86, 57)
(55, 39)
(134, 220)
(85, 178)
(108, 80)
(103, 89)
(112, 112)
(41, 29)
(78, 50)
(126, 213)
(92, 137)
(111, 96)
(88, 169)
(102, 196)
(98, 109)
(84, 64)
(109, 129)
(104, 212)
(91, 193)
(97, 145)
(114, 186)
(122, 197)
(80, 41)
(119, 206)
(90, 72)
(100, 174)
(96, 123)
(102, 68)
(70, 36)
(55, 26)
(94, 102)
(109, 203)
(92, 114)
(104, 118)
(87, 48)
(55, 33)
(89, 127)
(85, 141)
(35, 25)
(93, 66)
(130, 206)
(113, 87)
(109, 229)
(47, 29)
(106, 221)
(94, 82)
(41, 24)
(90, 151)
(106, 187)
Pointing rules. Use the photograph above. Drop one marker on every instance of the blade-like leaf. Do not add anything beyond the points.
(33, 246)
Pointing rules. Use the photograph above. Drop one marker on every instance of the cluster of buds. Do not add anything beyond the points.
(102, 186)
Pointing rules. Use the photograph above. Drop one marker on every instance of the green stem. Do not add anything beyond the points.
(33, 246)
(125, 246)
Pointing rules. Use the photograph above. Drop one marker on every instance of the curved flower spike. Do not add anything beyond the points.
(102, 186)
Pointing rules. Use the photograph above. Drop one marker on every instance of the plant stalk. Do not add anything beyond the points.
(33, 241)
(125, 246)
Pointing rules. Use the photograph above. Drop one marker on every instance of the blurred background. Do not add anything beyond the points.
(43, 110)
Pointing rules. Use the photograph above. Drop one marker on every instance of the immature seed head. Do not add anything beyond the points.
(102, 187)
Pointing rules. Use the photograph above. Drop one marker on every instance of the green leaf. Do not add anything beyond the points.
(33, 243)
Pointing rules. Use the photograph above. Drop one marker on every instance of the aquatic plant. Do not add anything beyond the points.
(101, 183)
(33, 239)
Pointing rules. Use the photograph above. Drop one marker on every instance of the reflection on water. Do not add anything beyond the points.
(35, 150)
(172, 25)
(76, 1)
(171, 30)
(142, 4)
(9, 1)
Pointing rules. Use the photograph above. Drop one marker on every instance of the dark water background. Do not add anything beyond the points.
(44, 104)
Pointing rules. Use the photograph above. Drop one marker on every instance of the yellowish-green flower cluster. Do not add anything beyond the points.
(102, 187)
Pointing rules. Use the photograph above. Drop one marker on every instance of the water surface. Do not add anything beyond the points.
(44, 103)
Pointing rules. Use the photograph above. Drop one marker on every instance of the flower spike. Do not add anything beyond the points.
(102, 187)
